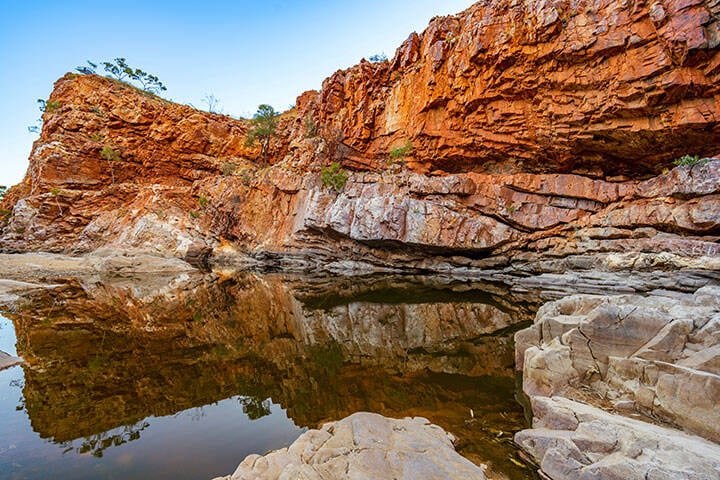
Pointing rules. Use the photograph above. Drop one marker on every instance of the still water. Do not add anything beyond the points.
(181, 378)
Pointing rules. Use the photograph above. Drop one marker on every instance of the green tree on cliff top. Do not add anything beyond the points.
(263, 127)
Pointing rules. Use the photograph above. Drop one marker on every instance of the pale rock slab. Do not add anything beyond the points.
(363, 446)
(575, 441)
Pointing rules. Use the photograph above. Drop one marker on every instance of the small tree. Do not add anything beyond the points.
(43, 106)
(212, 102)
(89, 70)
(3, 189)
(263, 127)
(112, 156)
(150, 83)
(120, 70)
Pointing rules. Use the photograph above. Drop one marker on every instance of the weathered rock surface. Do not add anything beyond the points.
(364, 445)
(575, 441)
(656, 354)
(539, 138)
(654, 357)
(501, 95)
(538, 86)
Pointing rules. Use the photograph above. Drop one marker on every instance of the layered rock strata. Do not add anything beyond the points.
(523, 143)
(540, 86)
(655, 357)
(548, 161)
(284, 216)
(364, 445)
(573, 440)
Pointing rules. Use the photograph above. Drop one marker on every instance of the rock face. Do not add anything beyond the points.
(501, 95)
(540, 86)
(364, 445)
(575, 441)
(654, 356)
(528, 144)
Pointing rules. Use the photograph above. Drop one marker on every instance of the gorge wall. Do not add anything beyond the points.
(535, 132)
(525, 143)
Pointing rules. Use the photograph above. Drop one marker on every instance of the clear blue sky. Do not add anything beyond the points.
(243, 52)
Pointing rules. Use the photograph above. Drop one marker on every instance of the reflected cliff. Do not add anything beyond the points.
(106, 354)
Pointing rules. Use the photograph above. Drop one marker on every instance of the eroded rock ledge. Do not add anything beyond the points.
(575, 441)
(364, 445)
(541, 132)
(654, 358)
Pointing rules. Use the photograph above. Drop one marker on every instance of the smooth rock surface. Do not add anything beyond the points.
(658, 352)
(575, 441)
(364, 446)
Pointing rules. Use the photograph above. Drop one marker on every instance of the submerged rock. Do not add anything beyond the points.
(365, 445)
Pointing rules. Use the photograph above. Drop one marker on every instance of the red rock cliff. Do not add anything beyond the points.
(539, 86)
(536, 107)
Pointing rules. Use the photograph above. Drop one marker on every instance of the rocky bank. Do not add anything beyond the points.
(652, 357)
(528, 144)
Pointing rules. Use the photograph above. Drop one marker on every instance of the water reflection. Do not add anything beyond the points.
(105, 355)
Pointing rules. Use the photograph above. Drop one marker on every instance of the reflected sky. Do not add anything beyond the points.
(124, 382)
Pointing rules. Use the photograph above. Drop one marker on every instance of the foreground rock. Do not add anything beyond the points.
(655, 357)
(364, 445)
(575, 441)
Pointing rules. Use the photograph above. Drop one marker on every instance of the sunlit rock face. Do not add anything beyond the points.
(539, 134)
(106, 351)
(616, 87)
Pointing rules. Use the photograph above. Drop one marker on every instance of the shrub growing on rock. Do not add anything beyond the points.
(333, 176)
(110, 154)
(228, 168)
(689, 161)
(398, 153)
(311, 127)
